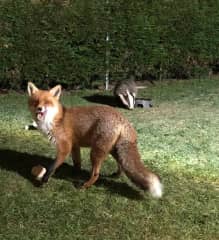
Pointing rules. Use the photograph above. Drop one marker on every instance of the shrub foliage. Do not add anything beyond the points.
(63, 41)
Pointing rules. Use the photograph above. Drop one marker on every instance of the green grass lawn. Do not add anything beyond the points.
(178, 138)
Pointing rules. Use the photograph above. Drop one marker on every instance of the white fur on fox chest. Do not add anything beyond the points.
(46, 125)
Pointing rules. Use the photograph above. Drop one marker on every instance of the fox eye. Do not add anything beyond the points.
(46, 102)
(35, 103)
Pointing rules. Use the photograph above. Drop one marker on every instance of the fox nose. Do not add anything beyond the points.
(39, 109)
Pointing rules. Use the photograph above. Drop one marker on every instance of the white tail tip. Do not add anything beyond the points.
(156, 188)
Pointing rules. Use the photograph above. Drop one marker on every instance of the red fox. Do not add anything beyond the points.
(100, 127)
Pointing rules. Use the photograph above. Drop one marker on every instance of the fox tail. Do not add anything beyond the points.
(129, 159)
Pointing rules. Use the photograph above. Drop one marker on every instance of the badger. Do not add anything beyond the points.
(126, 92)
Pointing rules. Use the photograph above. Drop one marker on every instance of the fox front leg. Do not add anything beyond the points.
(49, 171)
(62, 153)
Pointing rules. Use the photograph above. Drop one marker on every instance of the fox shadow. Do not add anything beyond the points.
(22, 163)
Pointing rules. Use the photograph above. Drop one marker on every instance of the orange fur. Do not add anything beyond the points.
(101, 128)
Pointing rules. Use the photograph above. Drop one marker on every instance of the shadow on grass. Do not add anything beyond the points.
(22, 164)
(104, 99)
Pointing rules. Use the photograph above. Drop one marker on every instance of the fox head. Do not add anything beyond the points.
(44, 104)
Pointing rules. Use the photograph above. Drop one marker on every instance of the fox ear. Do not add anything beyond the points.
(56, 91)
(31, 88)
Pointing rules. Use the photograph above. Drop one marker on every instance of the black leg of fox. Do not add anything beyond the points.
(49, 171)
(119, 168)
(63, 149)
(76, 157)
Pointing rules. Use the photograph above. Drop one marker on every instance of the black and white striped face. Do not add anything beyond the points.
(128, 100)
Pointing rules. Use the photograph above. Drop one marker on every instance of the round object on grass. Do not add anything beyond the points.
(38, 172)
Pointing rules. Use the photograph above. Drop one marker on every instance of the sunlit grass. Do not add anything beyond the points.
(177, 138)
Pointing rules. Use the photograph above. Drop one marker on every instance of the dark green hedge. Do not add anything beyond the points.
(63, 41)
